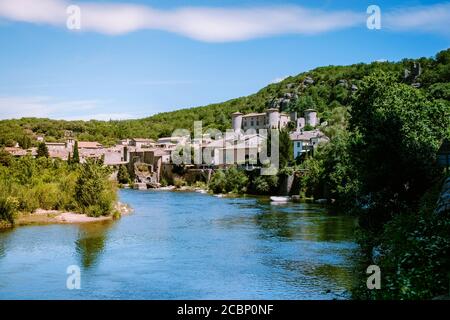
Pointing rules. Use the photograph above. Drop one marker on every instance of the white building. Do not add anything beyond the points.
(271, 119)
(304, 141)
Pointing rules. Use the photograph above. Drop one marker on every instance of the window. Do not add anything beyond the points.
(298, 144)
(252, 123)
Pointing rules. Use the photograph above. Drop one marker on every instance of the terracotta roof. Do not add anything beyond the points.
(143, 140)
(55, 143)
(89, 145)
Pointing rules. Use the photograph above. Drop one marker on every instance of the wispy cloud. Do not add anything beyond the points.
(200, 23)
(215, 24)
(433, 18)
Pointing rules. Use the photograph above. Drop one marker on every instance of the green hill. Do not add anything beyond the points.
(323, 88)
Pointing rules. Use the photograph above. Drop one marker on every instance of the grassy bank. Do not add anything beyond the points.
(28, 184)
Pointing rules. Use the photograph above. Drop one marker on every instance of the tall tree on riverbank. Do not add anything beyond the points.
(76, 156)
(286, 149)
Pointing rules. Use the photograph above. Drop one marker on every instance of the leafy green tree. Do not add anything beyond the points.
(24, 142)
(93, 192)
(42, 150)
(397, 132)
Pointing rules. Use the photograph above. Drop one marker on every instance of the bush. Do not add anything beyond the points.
(265, 185)
(8, 207)
(123, 176)
(218, 182)
(47, 195)
(231, 180)
(179, 182)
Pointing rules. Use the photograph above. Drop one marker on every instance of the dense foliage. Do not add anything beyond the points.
(27, 184)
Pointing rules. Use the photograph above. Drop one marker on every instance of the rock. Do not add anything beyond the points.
(284, 104)
(288, 95)
(290, 85)
(308, 80)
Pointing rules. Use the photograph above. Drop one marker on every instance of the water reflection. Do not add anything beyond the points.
(4, 239)
(91, 242)
(186, 246)
(321, 248)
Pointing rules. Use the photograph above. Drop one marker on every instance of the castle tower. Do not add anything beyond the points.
(236, 121)
(311, 117)
(274, 118)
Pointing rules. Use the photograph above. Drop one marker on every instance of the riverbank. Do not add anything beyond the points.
(42, 217)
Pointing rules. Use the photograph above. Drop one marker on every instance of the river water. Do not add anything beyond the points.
(184, 245)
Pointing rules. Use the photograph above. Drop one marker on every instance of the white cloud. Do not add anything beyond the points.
(101, 116)
(433, 18)
(278, 80)
(215, 24)
(18, 107)
(200, 23)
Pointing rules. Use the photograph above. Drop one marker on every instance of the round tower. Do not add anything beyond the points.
(236, 121)
(311, 117)
(274, 118)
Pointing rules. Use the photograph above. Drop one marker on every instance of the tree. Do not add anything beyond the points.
(24, 142)
(93, 192)
(5, 157)
(123, 175)
(397, 131)
(76, 156)
(286, 149)
(42, 150)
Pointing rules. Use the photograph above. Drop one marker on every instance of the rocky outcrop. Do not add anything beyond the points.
(308, 80)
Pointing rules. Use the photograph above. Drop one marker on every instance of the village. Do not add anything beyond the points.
(149, 161)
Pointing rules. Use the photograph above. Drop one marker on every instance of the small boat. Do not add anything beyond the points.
(280, 199)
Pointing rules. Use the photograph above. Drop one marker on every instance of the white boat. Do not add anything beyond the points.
(280, 199)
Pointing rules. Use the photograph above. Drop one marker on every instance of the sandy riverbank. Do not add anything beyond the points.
(41, 216)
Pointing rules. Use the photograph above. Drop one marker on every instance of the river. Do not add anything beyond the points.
(185, 245)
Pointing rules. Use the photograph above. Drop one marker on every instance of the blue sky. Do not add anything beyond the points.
(147, 57)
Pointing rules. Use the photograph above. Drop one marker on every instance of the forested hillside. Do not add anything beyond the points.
(324, 88)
